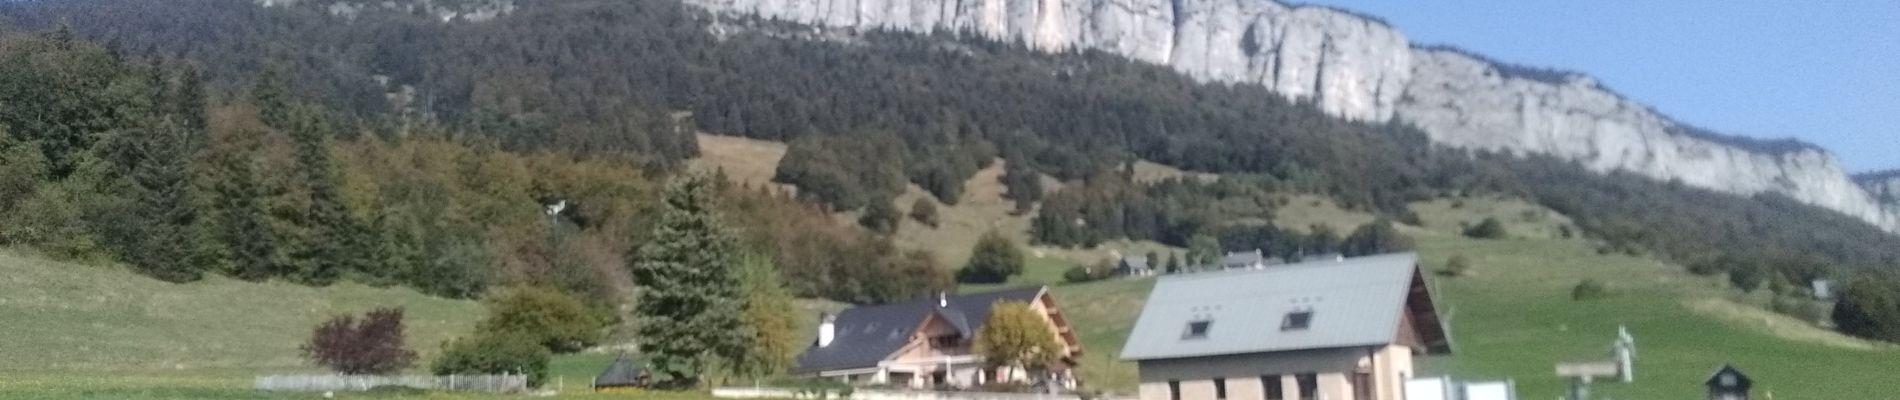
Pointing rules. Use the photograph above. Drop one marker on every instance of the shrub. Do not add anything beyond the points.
(1589, 289)
(1490, 228)
(496, 353)
(1457, 266)
(1869, 307)
(553, 318)
(373, 345)
(1087, 273)
(880, 216)
(994, 260)
(925, 212)
(1746, 276)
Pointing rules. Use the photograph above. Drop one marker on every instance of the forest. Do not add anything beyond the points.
(613, 89)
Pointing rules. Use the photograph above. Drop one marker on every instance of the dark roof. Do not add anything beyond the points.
(1243, 258)
(1739, 381)
(867, 335)
(623, 372)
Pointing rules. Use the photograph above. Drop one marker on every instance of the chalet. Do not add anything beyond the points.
(622, 374)
(1244, 260)
(1134, 266)
(1335, 329)
(1729, 383)
(927, 343)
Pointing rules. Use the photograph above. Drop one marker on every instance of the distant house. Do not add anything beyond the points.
(622, 374)
(926, 343)
(1334, 329)
(1134, 266)
(1245, 260)
(1729, 383)
(1822, 289)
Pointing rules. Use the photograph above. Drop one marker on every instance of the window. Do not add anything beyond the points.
(1308, 384)
(1271, 385)
(1297, 321)
(946, 341)
(1362, 385)
(1197, 329)
(1220, 388)
(1174, 390)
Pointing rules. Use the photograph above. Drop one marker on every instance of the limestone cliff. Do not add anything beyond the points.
(1358, 67)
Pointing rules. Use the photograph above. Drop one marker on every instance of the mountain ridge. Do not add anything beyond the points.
(1361, 68)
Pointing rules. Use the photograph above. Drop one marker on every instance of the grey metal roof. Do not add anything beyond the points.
(1243, 258)
(623, 372)
(867, 335)
(1355, 302)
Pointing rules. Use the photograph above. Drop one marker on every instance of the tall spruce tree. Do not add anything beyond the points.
(334, 243)
(690, 305)
(166, 246)
(240, 213)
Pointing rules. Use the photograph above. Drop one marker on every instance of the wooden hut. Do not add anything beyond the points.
(1729, 384)
(623, 374)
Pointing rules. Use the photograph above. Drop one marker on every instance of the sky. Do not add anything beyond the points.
(1825, 72)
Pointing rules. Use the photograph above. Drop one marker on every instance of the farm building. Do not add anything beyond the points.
(927, 343)
(1335, 329)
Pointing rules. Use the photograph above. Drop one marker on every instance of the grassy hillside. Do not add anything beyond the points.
(1513, 317)
(76, 331)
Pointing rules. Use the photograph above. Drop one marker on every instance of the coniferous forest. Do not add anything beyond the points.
(290, 143)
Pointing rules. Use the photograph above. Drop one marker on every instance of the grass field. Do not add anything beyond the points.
(1512, 317)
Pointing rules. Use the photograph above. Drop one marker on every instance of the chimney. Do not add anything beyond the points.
(943, 299)
(827, 329)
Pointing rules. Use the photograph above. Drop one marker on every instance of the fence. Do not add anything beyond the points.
(358, 383)
(872, 394)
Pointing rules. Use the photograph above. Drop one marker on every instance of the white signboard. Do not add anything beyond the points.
(1488, 391)
(1426, 389)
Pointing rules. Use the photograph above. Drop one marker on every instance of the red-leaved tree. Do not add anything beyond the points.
(372, 346)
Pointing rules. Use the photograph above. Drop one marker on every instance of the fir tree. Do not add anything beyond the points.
(689, 304)
(240, 214)
(335, 243)
(166, 246)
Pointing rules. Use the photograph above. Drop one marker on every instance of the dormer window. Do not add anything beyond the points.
(1197, 330)
(1297, 321)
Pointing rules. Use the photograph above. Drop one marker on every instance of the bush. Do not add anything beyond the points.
(1086, 273)
(553, 318)
(880, 216)
(925, 212)
(496, 353)
(994, 260)
(373, 345)
(1457, 266)
(1490, 228)
(1746, 276)
(1799, 308)
(1869, 307)
(1589, 289)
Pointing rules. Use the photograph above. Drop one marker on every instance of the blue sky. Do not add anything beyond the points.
(1825, 72)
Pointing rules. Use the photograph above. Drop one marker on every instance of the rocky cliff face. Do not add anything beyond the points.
(1359, 68)
(1885, 186)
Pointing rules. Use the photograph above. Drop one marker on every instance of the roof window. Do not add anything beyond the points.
(1197, 329)
(1297, 321)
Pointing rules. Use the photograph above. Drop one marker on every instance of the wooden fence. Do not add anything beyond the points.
(358, 383)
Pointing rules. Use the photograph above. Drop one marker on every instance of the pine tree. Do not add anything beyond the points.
(240, 213)
(1174, 263)
(336, 243)
(689, 304)
(166, 246)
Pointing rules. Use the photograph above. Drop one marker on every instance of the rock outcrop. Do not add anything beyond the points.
(1358, 67)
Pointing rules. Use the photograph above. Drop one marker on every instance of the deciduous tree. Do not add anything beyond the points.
(371, 345)
(1016, 336)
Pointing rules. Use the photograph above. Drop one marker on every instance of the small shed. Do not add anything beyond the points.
(1729, 384)
(623, 374)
